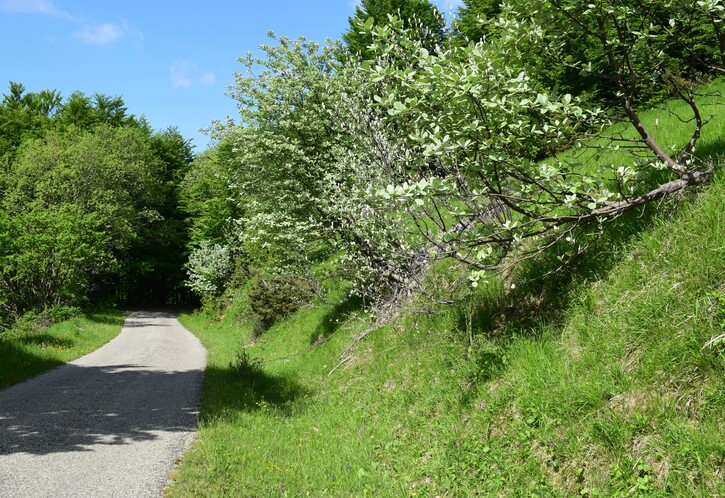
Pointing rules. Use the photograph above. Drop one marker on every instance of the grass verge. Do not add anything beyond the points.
(615, 397)
(28, 349)
(596, 381)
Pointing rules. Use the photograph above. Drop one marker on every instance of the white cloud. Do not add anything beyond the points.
(184, 75)
(44, 7)
(180, 73)
(93, 34)
(207, 79)
(101, 34)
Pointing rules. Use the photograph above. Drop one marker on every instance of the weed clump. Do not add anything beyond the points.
(244, 365)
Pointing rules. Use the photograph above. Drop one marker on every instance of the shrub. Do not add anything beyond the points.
(209, 267)
(244, 365)
(272, 297)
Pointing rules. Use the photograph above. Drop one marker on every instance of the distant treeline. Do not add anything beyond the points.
(88, 204)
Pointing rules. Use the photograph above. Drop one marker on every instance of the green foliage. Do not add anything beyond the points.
(419, 15)
(295, 184)
(100, 185)
(25, 115)
(110, 172)
(423, 152)
(86, 112)
(207, 195)
(275, 296)
(52, 315)
(155, 274)
(283, 152)
(50, 257)
(613, 49)
(29, 115)
(244, 365)
(471, 18)
(459, 132)
(654, 38)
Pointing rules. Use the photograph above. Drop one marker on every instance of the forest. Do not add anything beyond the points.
(419, 176)
(409, 142)
(90, 212)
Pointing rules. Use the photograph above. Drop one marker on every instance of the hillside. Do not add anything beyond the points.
(597, 380)
(474, 254)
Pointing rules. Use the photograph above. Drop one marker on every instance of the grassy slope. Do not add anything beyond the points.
(589, 383)
(27, 351)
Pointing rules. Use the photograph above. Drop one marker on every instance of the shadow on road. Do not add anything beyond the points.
(84, 406)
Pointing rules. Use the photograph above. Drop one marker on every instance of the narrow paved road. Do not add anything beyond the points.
(111, 423)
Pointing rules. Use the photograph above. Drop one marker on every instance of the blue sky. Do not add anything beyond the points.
(170, 60)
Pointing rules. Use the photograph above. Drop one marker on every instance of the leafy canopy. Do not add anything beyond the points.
(420, 15)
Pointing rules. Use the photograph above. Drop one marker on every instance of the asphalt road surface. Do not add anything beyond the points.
(112, 423)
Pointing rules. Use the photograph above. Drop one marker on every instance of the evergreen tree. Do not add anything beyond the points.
(469, 23)
(419, 14)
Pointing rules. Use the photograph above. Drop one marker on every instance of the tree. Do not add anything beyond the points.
(107, 173)
(210, 266)
(471, 17)
(453, 129)
(50, 256)
(155, 273)
(296, 180)
(692, 44)
(88, 157)
(419, 15)
(25, 115)
(283, 149)
(208, 196)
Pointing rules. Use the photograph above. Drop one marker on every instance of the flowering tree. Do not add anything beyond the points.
(458, 130)
(456, 151)
(209, 266)
(295, 171)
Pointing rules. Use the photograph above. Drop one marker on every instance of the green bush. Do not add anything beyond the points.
(272, 297)
(244, 365)
(33, 321)
(58, 313)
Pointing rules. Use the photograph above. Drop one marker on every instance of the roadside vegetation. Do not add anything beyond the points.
(89, 220)
(600, 380)
(481, 257)
(88, 205)
(40, 342)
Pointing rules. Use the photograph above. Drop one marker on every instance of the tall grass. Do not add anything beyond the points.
(593, 381)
